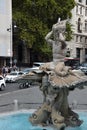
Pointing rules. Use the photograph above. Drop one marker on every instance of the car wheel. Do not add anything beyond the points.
(21, 86)
(2, 87)
(27, 85)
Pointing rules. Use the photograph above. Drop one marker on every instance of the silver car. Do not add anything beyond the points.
(83, 67)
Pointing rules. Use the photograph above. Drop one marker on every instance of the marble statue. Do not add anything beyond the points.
(57, 81)
(58, 41)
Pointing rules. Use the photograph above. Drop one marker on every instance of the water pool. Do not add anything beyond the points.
(19, 121)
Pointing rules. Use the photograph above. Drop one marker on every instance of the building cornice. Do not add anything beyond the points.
(78, 3)
(80, 34)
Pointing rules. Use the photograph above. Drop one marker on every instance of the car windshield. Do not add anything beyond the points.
(84, 65)
(37, 64)
(13, 73)
(26, 70)
(72, 62)
(1, 78)
(20, 73)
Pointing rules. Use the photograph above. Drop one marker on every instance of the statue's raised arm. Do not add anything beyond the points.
(57, 39)
(48, 37)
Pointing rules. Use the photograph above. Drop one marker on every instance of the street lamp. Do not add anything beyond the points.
(10, 31)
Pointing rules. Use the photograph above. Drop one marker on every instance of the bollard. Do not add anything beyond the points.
(15, 105)
(74, 104)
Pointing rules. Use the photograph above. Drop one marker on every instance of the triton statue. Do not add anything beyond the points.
(57, 81)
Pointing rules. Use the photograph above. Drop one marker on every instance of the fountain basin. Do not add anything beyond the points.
(19, 120)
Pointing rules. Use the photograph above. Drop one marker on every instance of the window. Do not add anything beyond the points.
(86, 2)
(86, 12)
(81, 39)
(79, 25)
(78, 52)
(80, 0)
(85, 39)
(86, 55)
(85, 26)
(77, 9)
(68, 53)
(80, 10)
(76, 38)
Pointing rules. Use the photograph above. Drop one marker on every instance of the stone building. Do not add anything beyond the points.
(5, 32)
(10, 52)
(78, 46)
(21, 53)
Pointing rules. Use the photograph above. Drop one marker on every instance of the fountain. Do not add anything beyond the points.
(57, 81)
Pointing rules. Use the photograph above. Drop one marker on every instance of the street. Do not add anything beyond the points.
(27, 98)
(10, 87)
(31, 98)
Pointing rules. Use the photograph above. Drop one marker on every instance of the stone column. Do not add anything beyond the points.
(82, 55)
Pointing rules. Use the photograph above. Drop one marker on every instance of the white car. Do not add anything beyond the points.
(13, 76)
(2, 83)
(27, 70)
(38, 64)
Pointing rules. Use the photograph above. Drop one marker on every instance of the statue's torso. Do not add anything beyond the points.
(57, 52)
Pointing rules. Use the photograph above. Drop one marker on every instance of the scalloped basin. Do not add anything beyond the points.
(19, 121)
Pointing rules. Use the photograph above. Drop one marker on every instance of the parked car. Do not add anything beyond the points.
(73, 62)
(27, 70)
(83, 67)
(35, 66)
(38, 64)
(2, 83)
(13, 76)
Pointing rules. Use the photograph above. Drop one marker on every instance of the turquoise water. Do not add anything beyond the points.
(20, 122)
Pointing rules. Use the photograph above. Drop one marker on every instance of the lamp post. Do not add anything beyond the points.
(10, 31)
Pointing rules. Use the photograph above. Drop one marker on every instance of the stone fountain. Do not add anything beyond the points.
(57, 81)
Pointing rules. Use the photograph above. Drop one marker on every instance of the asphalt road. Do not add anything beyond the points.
(10, 87)
(27, 98)
(31, 98)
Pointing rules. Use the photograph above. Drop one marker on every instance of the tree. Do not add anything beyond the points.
(35, 18)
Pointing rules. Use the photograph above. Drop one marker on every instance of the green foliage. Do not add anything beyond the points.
(34, 19)
(69, 31)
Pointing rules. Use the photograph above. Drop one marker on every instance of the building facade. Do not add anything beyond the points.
(5, 32)
(78, 45)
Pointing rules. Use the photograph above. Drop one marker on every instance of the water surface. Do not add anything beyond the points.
(20, 121)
